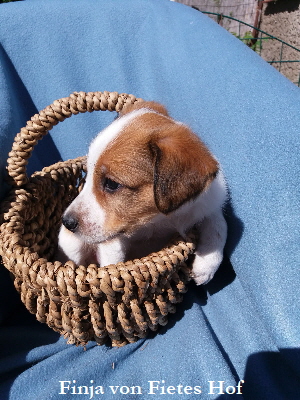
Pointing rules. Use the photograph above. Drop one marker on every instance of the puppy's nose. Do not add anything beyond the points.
(70, 222)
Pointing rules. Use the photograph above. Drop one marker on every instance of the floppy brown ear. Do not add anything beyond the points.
(152, 105)
(183, 167)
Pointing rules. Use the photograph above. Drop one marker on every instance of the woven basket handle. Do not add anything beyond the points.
(41, 123)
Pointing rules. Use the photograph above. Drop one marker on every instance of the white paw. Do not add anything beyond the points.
(204, 269)
(202, 278)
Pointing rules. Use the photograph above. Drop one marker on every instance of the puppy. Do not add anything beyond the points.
(149, 178)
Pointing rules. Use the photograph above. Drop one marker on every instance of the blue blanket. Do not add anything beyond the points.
(239, 334)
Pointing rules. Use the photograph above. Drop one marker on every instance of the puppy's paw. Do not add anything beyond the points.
(202, 278)
(204, 269)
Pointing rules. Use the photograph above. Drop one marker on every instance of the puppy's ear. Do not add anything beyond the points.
(183, 167)
(151, 105)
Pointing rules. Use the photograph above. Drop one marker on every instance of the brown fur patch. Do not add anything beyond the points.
(184, 167)
(160, 165)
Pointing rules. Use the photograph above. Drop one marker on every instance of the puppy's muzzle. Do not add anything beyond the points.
(70, 222)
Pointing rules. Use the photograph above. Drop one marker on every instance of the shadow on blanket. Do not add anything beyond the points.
(45, 153)
(272, 375)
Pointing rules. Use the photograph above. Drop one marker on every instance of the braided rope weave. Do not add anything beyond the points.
(119, 302)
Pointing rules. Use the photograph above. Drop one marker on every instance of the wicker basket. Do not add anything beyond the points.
(119, 302)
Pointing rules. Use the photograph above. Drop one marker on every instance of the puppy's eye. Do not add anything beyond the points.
(110, 185)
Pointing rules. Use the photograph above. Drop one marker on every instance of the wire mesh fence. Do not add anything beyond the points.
(283, 56)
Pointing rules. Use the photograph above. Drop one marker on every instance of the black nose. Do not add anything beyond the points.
(70, 222)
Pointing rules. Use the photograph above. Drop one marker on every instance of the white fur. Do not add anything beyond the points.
(204, 212)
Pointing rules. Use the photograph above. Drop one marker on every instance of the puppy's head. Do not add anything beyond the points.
(143, 164)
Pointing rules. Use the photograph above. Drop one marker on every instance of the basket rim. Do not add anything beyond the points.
(40, 124)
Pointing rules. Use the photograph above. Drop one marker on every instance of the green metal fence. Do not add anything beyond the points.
(283, 56)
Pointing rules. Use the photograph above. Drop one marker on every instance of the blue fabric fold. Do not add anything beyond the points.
(242, 326)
